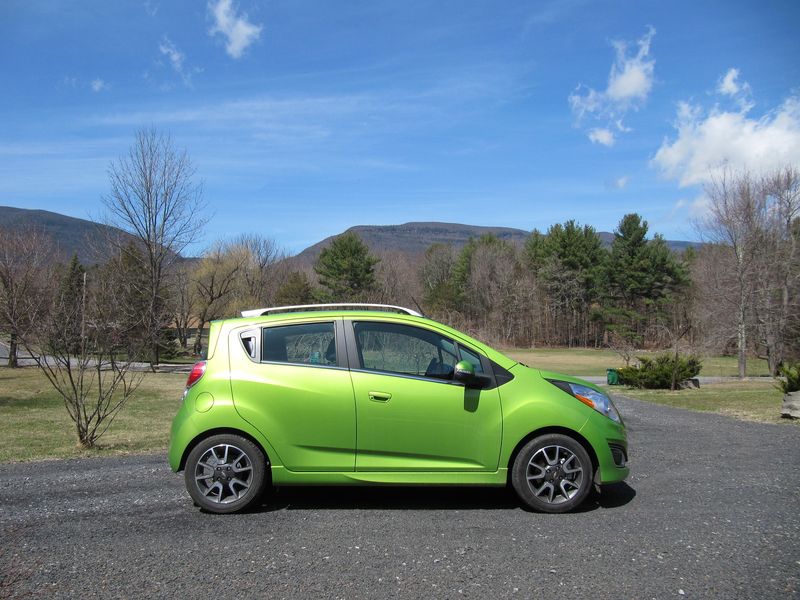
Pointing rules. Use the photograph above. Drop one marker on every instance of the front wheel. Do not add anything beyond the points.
(225, 473)
(552, 473)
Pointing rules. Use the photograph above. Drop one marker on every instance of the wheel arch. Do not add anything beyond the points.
(217, 431)
(553, 429)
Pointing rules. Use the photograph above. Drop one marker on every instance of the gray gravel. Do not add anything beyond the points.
(712, 511)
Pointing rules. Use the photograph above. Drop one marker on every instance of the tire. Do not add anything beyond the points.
(552, 473)
(225, 473)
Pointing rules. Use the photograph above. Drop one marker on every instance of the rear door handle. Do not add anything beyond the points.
(380, 396)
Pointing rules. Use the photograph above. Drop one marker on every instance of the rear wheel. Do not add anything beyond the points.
(552, 473)
(225, 473)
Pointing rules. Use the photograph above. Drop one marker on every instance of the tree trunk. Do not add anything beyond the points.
(198, 340)
(12, 352)
(741, 338)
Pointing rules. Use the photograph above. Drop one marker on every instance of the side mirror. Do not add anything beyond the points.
(464, 372)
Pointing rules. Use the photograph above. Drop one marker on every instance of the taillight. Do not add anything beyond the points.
(197, 372)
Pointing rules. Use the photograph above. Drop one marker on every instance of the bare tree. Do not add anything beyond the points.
(736, 205)
(24, 254)
(83, 344)
(184, 297)
(755, 223)
(153, 197)
(262, 271)
(216, 278)
(776, 308)
(397, 282)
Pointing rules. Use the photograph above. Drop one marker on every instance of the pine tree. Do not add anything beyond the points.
(295, 290)
(643, 277)
(69, 308)
(346, 270)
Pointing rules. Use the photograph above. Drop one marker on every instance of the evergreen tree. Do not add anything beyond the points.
(643, 277)
(568, 262)
(346, 270)
(295, 290)
(68, 308)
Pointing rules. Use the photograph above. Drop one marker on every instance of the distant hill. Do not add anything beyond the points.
(70, 235)
(73, 235)
(415, 238)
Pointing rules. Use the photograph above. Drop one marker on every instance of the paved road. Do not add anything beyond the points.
(712, 511)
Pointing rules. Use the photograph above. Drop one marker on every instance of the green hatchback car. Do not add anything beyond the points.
(375, 394)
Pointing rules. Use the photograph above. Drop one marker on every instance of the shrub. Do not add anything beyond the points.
(660, 372)
(791, 377)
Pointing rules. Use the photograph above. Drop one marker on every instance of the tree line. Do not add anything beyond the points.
(737, 293)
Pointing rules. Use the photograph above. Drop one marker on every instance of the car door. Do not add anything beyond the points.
(291, 382)
(411, 415)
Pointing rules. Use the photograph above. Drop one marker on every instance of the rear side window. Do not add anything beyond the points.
(308, 344)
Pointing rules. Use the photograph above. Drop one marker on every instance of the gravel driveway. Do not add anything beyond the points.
(712, 511)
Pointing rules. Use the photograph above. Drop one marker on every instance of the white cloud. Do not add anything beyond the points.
(631, 78)
(710, 140)
(175, 56)
(699, 206)
(98, 85)
(728, 84)
(177, 61)
(601, 135)
(629, 84)
(238, 31)
(696, 208)
(621, 182)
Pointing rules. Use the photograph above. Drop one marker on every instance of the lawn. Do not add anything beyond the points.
(587, 361)
(34, 423)
(750, 400)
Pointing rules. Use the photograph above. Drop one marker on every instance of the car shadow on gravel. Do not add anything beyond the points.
(422, 498)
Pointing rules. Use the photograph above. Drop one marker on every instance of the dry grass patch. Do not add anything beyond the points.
(588, 361)
(35, 425)
(749, 400)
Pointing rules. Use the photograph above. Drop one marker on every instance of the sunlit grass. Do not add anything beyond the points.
(749, 400)
(587, 361)
(34, 423)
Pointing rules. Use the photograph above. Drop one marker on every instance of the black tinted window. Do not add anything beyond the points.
(405, 349)
(309, 343)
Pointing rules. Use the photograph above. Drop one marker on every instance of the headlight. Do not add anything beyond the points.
(590, 397)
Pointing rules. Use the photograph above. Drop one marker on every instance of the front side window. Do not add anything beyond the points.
(308, 343)
(406, 350)
(470, 356)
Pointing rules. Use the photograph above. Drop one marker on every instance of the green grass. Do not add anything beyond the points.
(750, 400)
(587, 361)
(35, 425)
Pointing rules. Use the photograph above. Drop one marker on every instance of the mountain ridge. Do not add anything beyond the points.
(73, 234)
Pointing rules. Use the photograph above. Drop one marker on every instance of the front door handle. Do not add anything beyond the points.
(380, 396)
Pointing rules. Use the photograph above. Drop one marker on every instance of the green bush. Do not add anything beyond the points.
(791, 377)
(660, 371)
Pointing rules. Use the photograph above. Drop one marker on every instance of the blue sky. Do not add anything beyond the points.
(303, 118)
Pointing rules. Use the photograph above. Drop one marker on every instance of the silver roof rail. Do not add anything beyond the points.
(336, 305)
